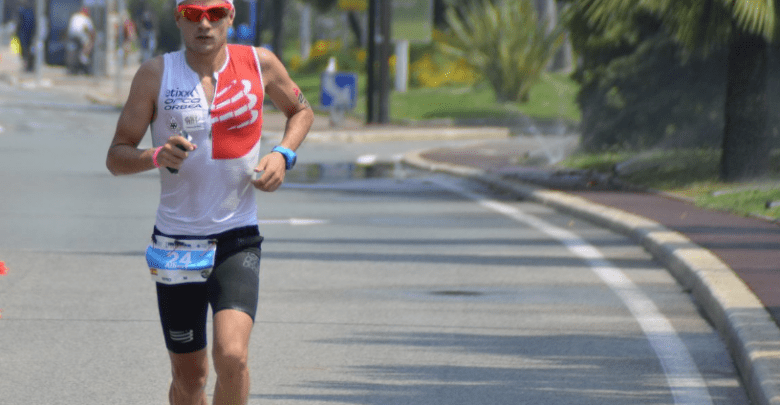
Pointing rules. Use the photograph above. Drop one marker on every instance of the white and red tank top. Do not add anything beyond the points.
(212, 192)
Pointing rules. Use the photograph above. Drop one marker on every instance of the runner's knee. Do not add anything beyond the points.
(230, 358)
(189, 375)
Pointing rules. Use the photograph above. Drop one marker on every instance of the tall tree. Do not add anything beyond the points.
(746, 27)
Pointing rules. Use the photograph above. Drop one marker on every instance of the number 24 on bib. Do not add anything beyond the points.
(177, 261)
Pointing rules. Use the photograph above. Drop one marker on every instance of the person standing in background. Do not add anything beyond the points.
(25, 31)
(129, 35)
(147, 33)
(81, 40)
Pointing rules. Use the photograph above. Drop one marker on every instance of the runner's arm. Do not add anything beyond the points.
(288, 98)
(124, 156)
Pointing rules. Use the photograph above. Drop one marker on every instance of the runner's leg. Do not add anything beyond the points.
(233, 293)
(232, 329)
(183, 311)
(189, 378)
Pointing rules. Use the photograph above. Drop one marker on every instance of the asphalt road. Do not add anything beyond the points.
(410, 288)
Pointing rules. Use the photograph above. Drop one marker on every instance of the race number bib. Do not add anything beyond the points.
(179, 261)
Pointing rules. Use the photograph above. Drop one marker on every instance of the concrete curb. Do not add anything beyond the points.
(749, 332)
(388, 134)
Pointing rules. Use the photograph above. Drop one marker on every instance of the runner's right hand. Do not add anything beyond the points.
(174, 152)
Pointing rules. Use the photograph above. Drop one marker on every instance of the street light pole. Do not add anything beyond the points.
(2, 22)
(278, 34)
(40, 34)
(120, 52)
(384, 59)
(260, 10)
(371, 62)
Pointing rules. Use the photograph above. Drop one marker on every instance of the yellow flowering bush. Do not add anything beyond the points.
(353, 5)
(361, 55)
(347, 59)
(427, 68)
(295, 63)
(427, 72)
(324, 48)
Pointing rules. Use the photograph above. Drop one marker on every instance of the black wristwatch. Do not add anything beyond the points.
(289, 156)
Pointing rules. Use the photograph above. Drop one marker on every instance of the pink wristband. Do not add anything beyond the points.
(154, 157)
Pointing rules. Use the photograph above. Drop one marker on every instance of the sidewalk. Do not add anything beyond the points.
(729, 263)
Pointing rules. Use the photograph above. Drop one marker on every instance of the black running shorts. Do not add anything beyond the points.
(233, 284)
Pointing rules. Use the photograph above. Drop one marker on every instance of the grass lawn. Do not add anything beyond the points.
(691, 173)
(553, 97)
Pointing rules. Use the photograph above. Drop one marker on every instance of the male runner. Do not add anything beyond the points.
(204, 105)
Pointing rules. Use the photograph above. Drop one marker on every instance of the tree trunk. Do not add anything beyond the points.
(563, 60)
(439, 10)
(745, 138)
(357, 28)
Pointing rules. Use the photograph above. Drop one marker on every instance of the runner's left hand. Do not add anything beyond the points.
(272, 168)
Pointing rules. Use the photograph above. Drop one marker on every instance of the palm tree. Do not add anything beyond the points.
(746, 27)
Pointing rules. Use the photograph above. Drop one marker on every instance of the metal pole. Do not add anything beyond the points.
(371, 62)
(401, 65)
(260, 10)
(40, 34)
(305, 32)
(2, 22)
(110, 39)
(278, 37)
(384, 58)
(120, 52)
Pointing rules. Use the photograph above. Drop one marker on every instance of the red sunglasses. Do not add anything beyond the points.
(213, 13)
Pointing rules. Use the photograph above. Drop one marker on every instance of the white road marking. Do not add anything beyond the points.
(685, 382)
(292, 221)
(366, 160)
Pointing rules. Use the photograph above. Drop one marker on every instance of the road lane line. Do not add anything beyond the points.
(685, 382)
(292, 221)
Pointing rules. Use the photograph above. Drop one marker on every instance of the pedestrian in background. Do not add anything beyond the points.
(129, 35)
(147, 33)
(25, 31)
(206, 241)
(81, 40)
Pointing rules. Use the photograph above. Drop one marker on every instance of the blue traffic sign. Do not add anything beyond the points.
(338, 90)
